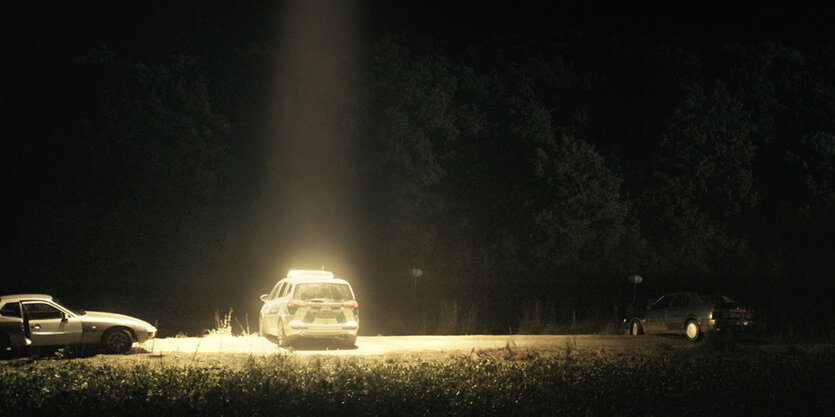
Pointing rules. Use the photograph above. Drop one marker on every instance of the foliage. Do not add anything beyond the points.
(223, 324)
(482, 383)
(514, 170)
(538, 168)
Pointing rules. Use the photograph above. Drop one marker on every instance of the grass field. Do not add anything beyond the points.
(487, 382)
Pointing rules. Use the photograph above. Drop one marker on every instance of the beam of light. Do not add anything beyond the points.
(310, 174)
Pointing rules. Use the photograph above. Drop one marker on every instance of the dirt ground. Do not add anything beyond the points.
(225, 347)
(231, 350)
(381, 345)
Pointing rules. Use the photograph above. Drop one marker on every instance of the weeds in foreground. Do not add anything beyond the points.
(244, 330)
(483, 383)
(223, 324)
(570, 346)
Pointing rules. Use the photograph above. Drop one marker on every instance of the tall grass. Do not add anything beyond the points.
(452, 320)
(223, 324)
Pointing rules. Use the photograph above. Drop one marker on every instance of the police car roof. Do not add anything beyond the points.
(313, 276)
(304, 273)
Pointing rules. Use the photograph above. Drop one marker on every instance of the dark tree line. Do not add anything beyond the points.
(531, 178)
(526, 178)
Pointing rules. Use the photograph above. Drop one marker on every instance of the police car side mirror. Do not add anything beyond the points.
(265, 297)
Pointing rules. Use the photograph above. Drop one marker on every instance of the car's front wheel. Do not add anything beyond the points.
(117, 341)
(692, 330)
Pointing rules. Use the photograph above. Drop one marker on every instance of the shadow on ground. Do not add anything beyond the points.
(63, 352)
(313, 345)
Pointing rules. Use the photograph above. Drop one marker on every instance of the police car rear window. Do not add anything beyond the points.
(329, 292)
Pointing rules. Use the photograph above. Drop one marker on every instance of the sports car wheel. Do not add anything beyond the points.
(5, 347)
(117, 341)
(692, 330)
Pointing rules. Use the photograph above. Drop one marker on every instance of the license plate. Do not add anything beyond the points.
(325, 314)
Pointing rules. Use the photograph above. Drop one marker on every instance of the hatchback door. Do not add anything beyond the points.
(677, 313)
(725, 308)
(656, 316)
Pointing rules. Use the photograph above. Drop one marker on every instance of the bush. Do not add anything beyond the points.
(506, 383)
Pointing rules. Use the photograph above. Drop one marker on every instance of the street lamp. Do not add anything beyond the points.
(416, 273)
(634, 280)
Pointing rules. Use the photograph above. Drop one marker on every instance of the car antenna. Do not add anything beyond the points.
(323, 267)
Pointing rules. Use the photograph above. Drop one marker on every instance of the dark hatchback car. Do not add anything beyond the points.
(692, 314)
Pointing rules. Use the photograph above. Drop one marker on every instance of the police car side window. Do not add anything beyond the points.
(274, 292)
(284, 290)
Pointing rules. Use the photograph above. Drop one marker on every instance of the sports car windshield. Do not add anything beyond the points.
(328, 292)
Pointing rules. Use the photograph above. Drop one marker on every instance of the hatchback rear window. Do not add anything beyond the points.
(323, 291)
(714, 298)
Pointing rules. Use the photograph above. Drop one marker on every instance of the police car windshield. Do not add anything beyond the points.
(323, 291)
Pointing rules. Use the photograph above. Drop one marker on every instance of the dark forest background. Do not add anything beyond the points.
(527, 173)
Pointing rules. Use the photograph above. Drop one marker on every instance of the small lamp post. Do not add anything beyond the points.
(634, 280)
(416, 273)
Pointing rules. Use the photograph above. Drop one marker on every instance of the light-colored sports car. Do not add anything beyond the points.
(28, 320)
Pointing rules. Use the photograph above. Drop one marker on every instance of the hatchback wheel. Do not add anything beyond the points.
(635, 329)
(117, 341)
(692, 330)
(282, 337)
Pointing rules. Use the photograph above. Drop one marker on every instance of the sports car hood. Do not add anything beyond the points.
(102, 317)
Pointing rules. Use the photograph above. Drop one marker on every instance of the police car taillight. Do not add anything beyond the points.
(351, 304)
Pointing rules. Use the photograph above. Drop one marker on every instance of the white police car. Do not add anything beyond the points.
(310, 305)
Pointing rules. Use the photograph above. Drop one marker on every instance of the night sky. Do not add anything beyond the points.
(170, 160)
